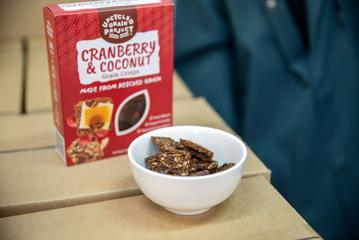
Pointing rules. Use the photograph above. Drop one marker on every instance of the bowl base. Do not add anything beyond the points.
(187, 212)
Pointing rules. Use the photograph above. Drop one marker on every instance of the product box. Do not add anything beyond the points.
(111, 70)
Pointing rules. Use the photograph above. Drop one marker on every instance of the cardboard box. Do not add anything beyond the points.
(11, 68)
(111, 68)
(39, 181)
(254, 211)
(22, 132)
(38, 91)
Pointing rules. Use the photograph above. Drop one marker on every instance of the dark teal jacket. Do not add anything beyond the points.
(299, 110)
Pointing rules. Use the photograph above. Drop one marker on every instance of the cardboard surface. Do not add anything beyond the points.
(11, 76)
(38, 95)
(254, 211)
(39, 179)
(26, 132)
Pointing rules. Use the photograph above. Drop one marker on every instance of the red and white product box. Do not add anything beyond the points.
(111, 69)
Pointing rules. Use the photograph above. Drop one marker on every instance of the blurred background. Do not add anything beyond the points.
(283, 73)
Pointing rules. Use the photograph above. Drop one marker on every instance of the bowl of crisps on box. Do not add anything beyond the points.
(187, 169)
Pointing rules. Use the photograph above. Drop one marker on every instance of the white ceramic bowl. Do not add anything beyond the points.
(189, 195)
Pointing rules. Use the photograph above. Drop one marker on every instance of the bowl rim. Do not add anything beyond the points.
(239, 164)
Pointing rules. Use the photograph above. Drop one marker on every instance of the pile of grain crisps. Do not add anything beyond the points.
(183, 158)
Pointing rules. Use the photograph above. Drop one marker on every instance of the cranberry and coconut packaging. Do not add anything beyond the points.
(111, 68)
